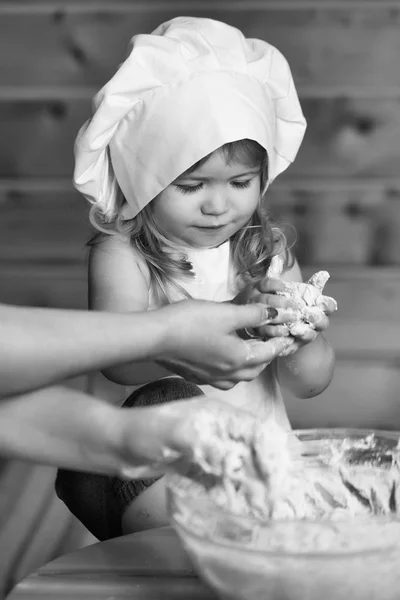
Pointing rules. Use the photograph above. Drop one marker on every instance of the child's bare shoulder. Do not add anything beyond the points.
(111, 252)
(119, 279)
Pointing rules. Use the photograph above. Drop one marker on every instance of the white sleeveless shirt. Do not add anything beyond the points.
(214, 280)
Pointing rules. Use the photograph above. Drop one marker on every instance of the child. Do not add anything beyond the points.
(184, 141)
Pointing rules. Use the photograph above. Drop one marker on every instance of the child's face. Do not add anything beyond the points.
(204, 208)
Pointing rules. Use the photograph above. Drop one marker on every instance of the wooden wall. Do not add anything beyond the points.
(342, 194)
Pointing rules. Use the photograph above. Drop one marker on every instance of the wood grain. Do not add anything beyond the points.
(21, 7)
(43, 285)
(335, 224)
(43, 226)
(329, 47)
(46, 541)
(345, 138)
(149, 565)
(28, 510)
(13, 478)
(362, 394)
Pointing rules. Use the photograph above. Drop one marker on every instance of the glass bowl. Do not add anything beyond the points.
(245, 558)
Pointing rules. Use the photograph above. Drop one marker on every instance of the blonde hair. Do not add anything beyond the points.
(252, 247)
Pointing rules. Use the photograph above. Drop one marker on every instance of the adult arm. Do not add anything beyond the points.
(66, 428)
(40, 347)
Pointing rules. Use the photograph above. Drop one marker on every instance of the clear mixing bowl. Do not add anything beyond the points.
(243, 558)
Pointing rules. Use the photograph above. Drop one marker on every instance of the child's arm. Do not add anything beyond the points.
(308, 371)
(119, 282)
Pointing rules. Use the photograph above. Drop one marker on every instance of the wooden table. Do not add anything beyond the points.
(151, 565)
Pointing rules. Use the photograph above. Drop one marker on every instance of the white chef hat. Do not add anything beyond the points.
(185, 90)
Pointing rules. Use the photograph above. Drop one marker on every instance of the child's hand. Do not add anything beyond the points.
(265, 292)
(314, 308)
(311, 307)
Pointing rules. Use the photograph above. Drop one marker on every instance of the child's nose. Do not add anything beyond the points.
(216, 204)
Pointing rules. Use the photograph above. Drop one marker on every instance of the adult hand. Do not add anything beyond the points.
(202, 345)
(173, 436)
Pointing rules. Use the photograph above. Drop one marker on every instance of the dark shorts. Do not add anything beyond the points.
(99, 501)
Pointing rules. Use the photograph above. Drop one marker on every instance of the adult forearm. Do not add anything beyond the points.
(308, 372)
(62, 427)
(42, 346)
(136, 373)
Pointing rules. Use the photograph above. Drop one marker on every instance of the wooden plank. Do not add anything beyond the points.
(328, 46)
(43, 226)
(96, 586)
(60, 286)
(43, 544)
(363, 294)
(76, 537)
(345, 138)
(48, 6)
(335, 224)
(59, 532)
(13, 479)
(362, 394)
(367, 338)
(28, 510)
(353, 137)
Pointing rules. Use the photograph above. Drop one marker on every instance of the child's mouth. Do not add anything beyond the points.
(210, 227)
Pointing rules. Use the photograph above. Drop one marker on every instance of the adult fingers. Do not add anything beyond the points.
(291, 349)
(244, 316)
(262, 353)
(276, 325)
(283, 315)
(272, 331)
(250, 373)
(222, 378)
(254, 315)
(167, 437)
(202, 423)
(274, 300)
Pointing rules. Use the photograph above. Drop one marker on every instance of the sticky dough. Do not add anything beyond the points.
(261, 471)
(307, 297)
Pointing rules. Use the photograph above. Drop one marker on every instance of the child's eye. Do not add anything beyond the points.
(241, 184)
(189, 189)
